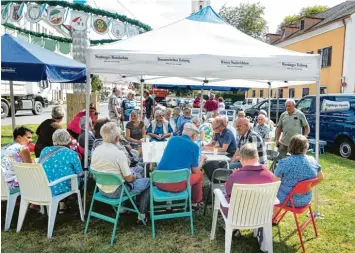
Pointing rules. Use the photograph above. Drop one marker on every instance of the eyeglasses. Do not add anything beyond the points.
(214, 128)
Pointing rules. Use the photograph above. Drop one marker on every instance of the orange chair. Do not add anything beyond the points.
(300, 188)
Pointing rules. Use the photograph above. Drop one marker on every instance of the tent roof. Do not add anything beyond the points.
(22, 61)
(202, 45)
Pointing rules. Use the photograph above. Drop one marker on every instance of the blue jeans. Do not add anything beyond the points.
(138, 186)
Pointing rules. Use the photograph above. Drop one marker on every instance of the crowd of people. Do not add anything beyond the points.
(111, 150)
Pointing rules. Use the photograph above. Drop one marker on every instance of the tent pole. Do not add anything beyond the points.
(269, 100)
(316, 193)
(86, 154)
(277, 105)
(13, 121)
(201, 102)
(142, 90)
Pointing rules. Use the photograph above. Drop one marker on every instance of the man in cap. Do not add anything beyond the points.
(189, 158)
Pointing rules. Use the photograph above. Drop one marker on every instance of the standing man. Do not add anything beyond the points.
(291, 123)
(211, 105)
(149, 105)
(114, 105)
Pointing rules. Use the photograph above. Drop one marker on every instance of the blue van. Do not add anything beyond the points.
(337, 121)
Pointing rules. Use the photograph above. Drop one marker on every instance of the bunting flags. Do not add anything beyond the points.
(4, 13)
(56, 15)
(100, 24)
(34, 12)
(16, 12)
(78, 20)
(118, 29)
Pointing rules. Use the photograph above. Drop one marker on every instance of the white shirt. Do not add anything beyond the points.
(109, 158)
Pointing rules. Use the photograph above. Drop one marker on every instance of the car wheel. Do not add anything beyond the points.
(38, 109)
(346, 148)
(4, 110)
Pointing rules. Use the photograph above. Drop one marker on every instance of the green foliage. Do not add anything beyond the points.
(96, 83)
(91, 10)
(247, 17)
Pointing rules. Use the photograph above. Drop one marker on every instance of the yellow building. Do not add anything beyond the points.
(333, 32)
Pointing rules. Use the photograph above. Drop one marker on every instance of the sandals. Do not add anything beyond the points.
(197, 206)
(140, 222)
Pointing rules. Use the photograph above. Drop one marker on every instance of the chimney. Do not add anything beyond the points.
(308, 22)
(287, 30)
(272, 37)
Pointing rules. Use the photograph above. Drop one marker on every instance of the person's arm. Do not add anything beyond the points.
(25, 155)
(123, 165)
(200, 164)
(306, 130)
(143, 132)
(76, 163)
(122, 110)
(152, 109)
(202, 135)
(170, 131)
(278, 134)
(320, 177)
(305, 124)
(236, 156)
(151, 134)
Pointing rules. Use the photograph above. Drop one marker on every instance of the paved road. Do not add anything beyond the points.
(26, 117)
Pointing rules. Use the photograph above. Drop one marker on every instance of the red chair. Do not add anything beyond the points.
(300, 188)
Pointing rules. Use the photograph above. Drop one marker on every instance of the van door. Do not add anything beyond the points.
(327, 131)
(307, 106)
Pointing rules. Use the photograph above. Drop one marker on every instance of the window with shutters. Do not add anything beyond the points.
(326, 56)
(302, 25)
(253, 94)
(291, 92)
(305, 92)
(261, 93)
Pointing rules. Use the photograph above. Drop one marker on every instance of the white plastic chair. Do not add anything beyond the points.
(35, 189)
(250, 207)
(10, 196)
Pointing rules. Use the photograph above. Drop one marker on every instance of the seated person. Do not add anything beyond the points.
(16, 151)
(159, 129)
(185, 145)
(96, 129)
(176, 116)
(247, 135)
(252, 172)
(268, 121)
(206, 127)
(296, 168)
(135, 132)
(74, 127)
(168, 118)
(81, 138)
(108, 158)
(262, 129)
(46, 129)
(186, 117)
(201, 136)
(224, 141)
(60, 161)
(230, 127)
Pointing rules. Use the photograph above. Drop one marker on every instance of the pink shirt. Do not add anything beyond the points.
(74, 124)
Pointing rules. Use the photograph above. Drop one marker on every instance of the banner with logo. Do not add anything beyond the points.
(4, 13)
(335, 106)
(78, 20)
(56, 15)
(118, 29)
(100, 24)
(16, 12)
(34, 12)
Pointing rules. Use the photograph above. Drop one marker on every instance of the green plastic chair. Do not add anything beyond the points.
(105, 178)
(156, 195)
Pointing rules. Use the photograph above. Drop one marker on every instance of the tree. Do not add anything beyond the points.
(247, 17)
(305, 12)
(96, 83)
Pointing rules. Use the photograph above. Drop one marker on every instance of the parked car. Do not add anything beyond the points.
(228, 104)
(337, 121)
(171, 102)
(236, 106)
(253, 111)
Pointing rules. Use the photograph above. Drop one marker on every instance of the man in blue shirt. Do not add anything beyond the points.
(188, 159)
(186, 117)
(224, 141)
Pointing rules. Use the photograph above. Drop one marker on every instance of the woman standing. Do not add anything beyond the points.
(221, 105)
(128, 105)
(47, 128)
(16, 151)
(135, 132)
(159, 129)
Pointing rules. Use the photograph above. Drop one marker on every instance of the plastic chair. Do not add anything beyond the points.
(219, 177)
(35, 189)
(156, 195)
(300, 188)
(250, 207)
(105, 178)
(10, 195)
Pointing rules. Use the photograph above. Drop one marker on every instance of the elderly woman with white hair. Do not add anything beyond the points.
(201, 135)
(128, 105)
(159, 129)
(81, 138)
(60, 161)
(168, 118)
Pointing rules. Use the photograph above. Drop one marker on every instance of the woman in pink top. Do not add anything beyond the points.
(74, 126)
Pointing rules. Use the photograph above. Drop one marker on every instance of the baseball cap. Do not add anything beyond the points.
(190, 126)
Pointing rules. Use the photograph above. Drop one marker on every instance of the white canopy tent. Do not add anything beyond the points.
(203, 45)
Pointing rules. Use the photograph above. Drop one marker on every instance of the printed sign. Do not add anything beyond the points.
(34, 12)
(100, 25)
(111, 58)
(173, 60)
(56, 15)
(78, 20)
(293, 65)
(335, 106)
(16, 12)
(4, 13)
(118, 29)
(235, 63)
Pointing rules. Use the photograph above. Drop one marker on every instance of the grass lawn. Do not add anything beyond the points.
(336, 230)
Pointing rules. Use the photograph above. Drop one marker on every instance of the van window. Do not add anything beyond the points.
(281, 105)
(305, 105)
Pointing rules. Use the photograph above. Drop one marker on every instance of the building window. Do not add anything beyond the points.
(326, 56)
(309, 52)
(302, 25)
(261, 93)
(253, 94)
(283, 33)
(291, 92)
(323, 90)
(305, 92)
(281, 93)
